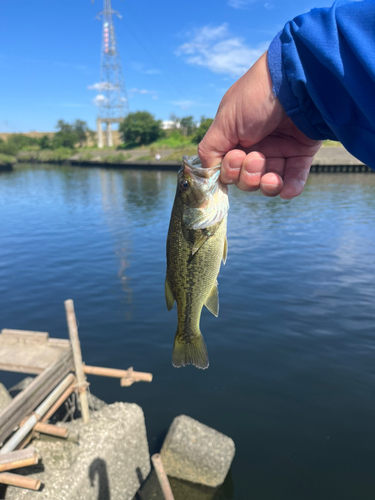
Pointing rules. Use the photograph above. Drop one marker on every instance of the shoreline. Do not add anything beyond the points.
(327, 160)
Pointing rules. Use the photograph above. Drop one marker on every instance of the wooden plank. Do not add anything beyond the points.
(28, 400)
(21, 481)
(9, 367)
(25, 336)
(64, 343)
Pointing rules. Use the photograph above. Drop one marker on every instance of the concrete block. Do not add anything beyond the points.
(197, 453)
(5, 397)
(110, 461)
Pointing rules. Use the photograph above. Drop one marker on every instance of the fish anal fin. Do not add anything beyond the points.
(169, 297)
(225, 252)
(212, 303)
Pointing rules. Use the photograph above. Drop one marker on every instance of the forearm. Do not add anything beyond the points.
(323, 70)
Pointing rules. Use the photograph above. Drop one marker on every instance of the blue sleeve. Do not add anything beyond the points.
(322, 66)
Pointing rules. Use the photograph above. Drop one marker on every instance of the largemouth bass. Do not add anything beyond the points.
(196, 245)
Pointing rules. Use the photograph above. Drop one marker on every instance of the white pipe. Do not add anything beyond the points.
(37, 415)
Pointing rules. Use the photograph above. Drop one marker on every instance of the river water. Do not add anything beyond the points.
(292, 373)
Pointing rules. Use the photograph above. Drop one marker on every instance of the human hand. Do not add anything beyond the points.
(261, 146)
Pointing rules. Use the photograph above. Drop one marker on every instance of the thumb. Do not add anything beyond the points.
(216, 143)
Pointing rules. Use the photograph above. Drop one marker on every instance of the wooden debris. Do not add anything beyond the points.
(25, 336)
(77, 355)
(27, 400)
(17, 459)
(37, 414)
(20, 481)
(59, 402)
(23, 351)
(51, 430)
(127, 377)
(162, 477)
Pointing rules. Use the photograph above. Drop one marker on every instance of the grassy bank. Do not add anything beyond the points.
(6, 161)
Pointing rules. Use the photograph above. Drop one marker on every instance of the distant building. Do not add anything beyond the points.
(168, 124)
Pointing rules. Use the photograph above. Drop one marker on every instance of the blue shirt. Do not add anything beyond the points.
(322, 66)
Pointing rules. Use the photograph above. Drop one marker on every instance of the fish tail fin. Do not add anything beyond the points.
(192, 352)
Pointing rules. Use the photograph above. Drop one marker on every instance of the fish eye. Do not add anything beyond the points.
(184, 185)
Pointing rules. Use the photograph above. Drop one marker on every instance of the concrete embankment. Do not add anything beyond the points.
(328, 159)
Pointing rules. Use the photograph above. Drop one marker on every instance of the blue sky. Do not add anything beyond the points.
(177, 57)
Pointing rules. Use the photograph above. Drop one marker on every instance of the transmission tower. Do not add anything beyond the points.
(112, 101)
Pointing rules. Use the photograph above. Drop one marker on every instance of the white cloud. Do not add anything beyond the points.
(184, 104)
(152, 93)
(102, 86)
(240, 4)
(214, 48)
(99, 100)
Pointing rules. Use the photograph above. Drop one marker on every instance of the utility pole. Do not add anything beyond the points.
(112, 101)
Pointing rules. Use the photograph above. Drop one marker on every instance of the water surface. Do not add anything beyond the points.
(292, 373)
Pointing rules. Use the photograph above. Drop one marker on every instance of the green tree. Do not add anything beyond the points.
(187, 126)
(140, 128)
(175, 121)
(82, 130)
(45, 142)
(17, 142)
(202, 129)
(69, 134)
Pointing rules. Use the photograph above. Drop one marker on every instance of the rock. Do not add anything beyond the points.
(110, 461)
(197, 453)
(22, 384)
(5, 397)
(95, 403)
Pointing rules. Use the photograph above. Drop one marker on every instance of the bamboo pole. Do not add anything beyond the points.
(23, 430)
(162, 477)
(51, 430)
(59, 402)
(115, 373)
(20, 481)
(72, 436)
(17, 459)
(77, 355)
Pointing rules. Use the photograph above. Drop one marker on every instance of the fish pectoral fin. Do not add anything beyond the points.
(169, 297)
(212, 303)
(225, 252)
(201, 240)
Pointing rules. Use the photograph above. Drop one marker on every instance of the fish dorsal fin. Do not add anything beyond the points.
(169, 297)
(201, 240)
(225, 252)
(212, 303)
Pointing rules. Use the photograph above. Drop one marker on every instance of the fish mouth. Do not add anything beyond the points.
(192, 165)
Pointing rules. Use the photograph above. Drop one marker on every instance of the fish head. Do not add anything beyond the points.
(204, 197)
